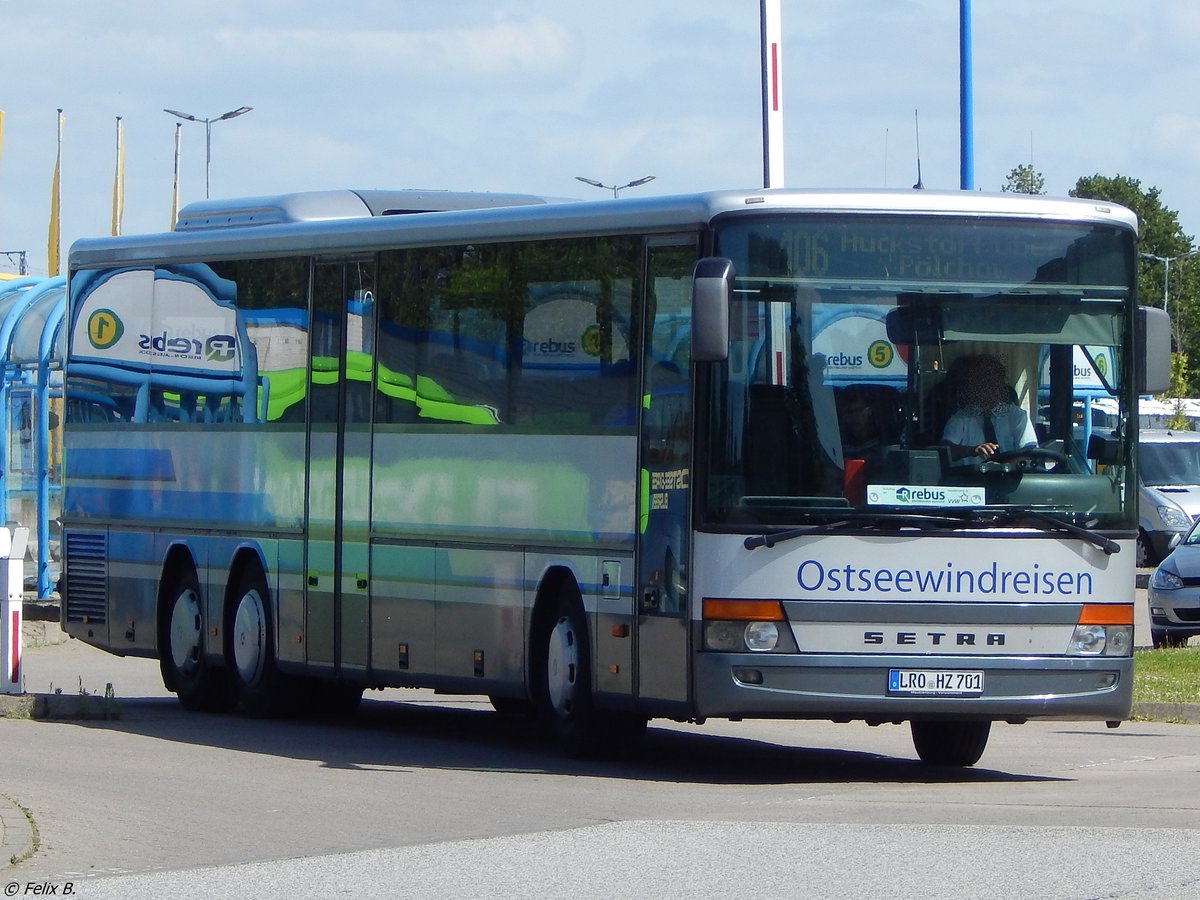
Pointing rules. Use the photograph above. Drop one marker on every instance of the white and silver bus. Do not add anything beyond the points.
(601, 459)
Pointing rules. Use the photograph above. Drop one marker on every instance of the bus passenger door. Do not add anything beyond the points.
(663, 644)
(341, 366)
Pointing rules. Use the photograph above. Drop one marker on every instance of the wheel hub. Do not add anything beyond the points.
(187, 631)
(562, 667)
(249, 637)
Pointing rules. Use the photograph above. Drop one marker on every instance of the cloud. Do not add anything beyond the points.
(1174, 137)
(507, 49)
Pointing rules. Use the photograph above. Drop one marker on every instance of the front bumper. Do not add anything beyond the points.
(841, 687)
(1175, 613)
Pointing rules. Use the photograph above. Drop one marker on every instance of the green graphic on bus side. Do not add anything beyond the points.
(288, 387)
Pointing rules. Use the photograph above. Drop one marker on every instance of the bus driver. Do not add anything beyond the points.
(987, 421)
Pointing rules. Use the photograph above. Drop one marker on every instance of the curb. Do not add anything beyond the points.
(1185, 713)
(59, 706)
(40, 623)
(42, 634)
(16, 833)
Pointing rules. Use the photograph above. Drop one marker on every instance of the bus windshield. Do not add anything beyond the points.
(918, 365)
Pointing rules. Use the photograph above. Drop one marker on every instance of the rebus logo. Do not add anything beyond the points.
(843, 360)
(550, 346)
(220, 348)
(215, 348)
(916, 495)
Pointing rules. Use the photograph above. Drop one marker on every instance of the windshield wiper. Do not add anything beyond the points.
(880, 520)
(770, 540)
(865, 520)
(1054, 523)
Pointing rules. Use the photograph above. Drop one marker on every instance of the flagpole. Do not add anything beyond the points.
(772, 92)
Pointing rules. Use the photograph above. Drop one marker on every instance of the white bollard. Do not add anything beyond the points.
(12, 584)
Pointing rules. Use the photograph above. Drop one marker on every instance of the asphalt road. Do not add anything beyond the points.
(423, 796)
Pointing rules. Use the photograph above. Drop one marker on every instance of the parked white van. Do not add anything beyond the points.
(1168, 465)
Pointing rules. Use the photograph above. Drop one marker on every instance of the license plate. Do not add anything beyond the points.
(934, 681)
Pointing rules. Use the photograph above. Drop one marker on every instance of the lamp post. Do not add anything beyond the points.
(232, 114)
(1166, 261)
(22, 260)
(614, 188)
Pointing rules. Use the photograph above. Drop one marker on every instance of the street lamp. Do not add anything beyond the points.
(1166, 261)
(615, 189)
(232, 114)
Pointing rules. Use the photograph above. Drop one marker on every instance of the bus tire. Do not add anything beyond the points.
(1160, 638)
(1144, 556)
(941, 743)
(517, 707)
(261, 688)
(567, 701)
(334, 699)
(186, 670)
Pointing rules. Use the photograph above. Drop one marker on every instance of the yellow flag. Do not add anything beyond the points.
(175, 183)
(52, 238)
(118, 206)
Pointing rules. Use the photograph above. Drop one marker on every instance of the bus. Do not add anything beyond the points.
(592, 460)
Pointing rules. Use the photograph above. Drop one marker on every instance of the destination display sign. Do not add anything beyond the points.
(928, 249)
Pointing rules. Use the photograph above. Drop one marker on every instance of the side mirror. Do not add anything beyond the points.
(1152, 362)
(712, 286)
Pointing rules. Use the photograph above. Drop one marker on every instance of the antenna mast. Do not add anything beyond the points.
(917, 122)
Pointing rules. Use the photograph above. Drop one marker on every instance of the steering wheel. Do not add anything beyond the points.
(1006, 456)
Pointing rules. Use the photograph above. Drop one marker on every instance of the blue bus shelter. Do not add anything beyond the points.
(32, 350)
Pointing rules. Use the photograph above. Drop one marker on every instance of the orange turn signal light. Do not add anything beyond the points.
(1106, 614)
(744, 610)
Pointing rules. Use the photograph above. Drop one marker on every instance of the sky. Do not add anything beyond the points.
(524, 95)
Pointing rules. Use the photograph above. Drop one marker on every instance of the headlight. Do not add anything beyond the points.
(1120, 641)
(1174, 518)
(762, 636)
(726, 636)
(1165, 580)
(738, 637)
(735, 626)
(1101, 640)
(1088, 640)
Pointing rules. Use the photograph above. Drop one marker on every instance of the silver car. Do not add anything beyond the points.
(1174, 594)
(1169, 482)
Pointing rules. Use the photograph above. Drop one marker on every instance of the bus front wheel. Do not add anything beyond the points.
(185, 669)
(567, 689)
(940, 743)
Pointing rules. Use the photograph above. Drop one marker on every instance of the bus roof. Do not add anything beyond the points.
(331, 222)
(312, 206)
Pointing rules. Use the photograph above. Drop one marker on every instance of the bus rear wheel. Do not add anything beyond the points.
(262, 689)
(940, 743)
(197, 683)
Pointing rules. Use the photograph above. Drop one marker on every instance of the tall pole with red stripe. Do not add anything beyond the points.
(772, 93)
(12, 565)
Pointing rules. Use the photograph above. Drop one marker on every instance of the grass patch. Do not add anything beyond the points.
(35, 837)
(1166, 676)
